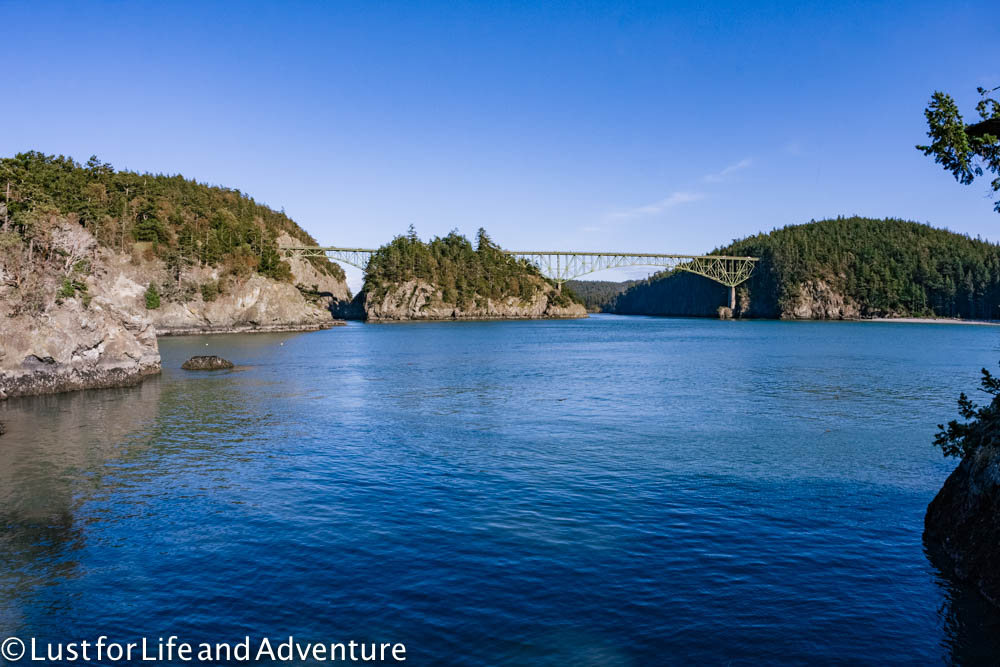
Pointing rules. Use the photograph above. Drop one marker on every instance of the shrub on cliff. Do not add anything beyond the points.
(152, 297)
(982, 427)
(210, 291)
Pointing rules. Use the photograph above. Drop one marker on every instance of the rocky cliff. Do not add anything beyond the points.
(418, 300)
(76, 315)
(818, 300)
(962, 525)
(256, 304)
(200, 300)
(64, 323)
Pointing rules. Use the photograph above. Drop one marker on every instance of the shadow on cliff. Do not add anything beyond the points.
(349, 310)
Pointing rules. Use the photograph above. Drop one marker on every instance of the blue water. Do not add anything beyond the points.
(610, 491)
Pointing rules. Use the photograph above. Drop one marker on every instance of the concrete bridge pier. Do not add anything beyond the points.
(732, 298)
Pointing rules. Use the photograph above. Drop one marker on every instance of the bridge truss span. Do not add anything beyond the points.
(562, 266)
(356, 257)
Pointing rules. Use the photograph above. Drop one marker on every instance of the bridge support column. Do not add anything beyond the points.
(732, 298)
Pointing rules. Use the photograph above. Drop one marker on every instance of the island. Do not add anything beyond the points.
(449, 279)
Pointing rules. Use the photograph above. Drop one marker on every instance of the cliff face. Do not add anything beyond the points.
(73, 314)
(249, 303)
(256, 304)
(962, 525)
(418, 300)
(329, 287)
(78, 334)
(818, 300)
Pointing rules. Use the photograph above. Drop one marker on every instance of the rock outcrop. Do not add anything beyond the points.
(81, 335)
(817, 300)
(962, 525)
(418, 300)
(256, 304)
(252, 303)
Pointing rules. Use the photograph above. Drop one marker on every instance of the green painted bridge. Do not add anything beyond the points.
(560, 266)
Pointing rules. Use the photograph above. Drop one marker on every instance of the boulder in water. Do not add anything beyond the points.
(206, 363)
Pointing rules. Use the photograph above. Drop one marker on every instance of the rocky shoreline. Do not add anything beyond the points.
(416, 300)
(247, 329)
(33, 383)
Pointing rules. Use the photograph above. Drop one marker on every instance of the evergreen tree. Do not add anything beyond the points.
(962, 149)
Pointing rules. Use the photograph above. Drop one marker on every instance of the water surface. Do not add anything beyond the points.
(610, 491)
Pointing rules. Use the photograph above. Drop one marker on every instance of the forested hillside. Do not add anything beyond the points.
(847, 267)
(463, 274)
(177, 220)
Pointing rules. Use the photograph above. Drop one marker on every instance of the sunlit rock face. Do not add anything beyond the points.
(256, 303)
(418, 300)
(91, 334)
(962, 526)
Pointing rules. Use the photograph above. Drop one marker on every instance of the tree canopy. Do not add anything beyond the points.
(181, 221)
(462, 273)
(885, 267)
(965, 150)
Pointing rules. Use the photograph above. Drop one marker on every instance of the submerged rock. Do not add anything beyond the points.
(206, 363)
(962, 526)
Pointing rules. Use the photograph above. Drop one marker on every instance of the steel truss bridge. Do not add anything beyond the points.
(560, 266)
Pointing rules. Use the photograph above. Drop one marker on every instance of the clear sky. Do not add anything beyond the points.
(655, 127)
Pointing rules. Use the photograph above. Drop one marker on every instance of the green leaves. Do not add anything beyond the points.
(462, 273)
(982, 428)
(950, 146)
(962, 149)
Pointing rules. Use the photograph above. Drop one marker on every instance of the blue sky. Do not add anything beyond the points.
(671, 127)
